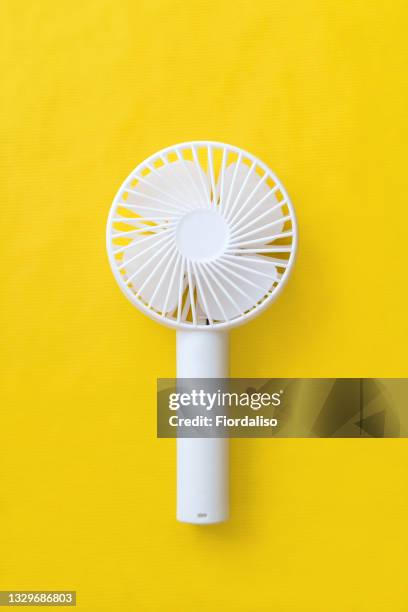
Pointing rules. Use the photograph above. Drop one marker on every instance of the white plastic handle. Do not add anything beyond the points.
(202, 463)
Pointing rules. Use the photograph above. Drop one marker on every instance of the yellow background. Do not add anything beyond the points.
(318, 90)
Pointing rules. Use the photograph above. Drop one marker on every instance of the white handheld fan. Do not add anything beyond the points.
(201, 237)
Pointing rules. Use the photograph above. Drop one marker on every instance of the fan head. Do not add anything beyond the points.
(201, 235)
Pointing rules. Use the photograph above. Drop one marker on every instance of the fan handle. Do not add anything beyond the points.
(202, 463)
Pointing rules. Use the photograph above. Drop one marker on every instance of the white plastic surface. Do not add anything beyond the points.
(202, 464)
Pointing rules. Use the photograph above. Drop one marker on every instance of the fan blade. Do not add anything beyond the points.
(215, 299)
(239, 283)
(256, 268)
(150, 272)
(171, 189)
(251, 202)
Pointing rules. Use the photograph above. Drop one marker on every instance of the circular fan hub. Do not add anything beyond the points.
(202, 235)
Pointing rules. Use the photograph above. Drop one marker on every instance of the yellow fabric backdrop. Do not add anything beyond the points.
(318, 90)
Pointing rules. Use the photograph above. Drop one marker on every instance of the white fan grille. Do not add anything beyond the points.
(201, 234)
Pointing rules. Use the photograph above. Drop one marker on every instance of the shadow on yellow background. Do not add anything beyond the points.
(318, 90)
